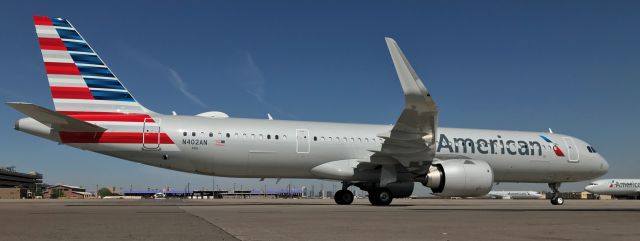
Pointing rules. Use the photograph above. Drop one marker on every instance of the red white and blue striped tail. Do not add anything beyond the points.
(81, 83)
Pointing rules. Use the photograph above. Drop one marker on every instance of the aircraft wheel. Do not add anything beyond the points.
(343, 197)
(557, 200)
(380, 197)
(372, 198)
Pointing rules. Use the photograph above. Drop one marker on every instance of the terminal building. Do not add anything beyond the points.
(18, 185)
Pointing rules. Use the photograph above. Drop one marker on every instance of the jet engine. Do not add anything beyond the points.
(459, 178)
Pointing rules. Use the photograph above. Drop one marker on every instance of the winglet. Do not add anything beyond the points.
(55, 120)
(420, 109)
(411, 83)
(415, 130)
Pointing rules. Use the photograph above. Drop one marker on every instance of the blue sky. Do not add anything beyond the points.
(573, 66)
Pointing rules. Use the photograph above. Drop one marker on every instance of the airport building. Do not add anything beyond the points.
(66, 192)
(18, 185)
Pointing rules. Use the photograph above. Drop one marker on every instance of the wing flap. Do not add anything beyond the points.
(55, 120)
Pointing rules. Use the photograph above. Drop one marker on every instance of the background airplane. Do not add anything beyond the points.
(94, 111)
(515, 195)
(618, 187)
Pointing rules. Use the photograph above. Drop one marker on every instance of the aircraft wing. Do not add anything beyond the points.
(55, 120)
(411, 141)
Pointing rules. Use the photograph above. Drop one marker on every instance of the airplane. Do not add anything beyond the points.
(94, 111)
(619, 187)
(515, 195)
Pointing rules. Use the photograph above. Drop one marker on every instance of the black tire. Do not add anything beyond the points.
(372, 198)
(380, 197)
(343, 197)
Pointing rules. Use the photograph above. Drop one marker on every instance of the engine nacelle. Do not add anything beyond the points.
(460, 178)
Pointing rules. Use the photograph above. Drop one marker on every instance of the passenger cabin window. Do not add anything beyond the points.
(184, 133)
(276, 137)
(284, 137)
(315, 138)
(228, 135)
(269, 137)
(193, 133)
(210, 134)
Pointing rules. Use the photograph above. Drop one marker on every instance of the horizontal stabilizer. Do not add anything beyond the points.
(55, 120)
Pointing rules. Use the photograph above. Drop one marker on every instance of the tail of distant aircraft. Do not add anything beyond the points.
(81, 84)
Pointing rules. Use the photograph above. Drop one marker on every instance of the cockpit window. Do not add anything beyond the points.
(593, 149)
(589, 148)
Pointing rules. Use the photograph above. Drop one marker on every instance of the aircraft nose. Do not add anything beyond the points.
(589, 188)
(604, 165)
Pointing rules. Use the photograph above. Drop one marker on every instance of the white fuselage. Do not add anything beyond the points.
(622, 187)
(515, 194)
(237, 147)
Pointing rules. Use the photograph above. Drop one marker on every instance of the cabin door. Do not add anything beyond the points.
(572, 150)
(302, 141)
(151, 134)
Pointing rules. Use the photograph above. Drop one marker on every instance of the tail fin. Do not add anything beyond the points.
(80, 82)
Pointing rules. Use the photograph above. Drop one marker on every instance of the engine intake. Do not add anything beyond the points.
(460, 178)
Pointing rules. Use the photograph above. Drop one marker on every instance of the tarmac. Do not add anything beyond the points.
(318, 219)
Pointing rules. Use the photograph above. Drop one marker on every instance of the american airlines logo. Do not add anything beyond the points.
(495, 146)
(556, 148)
(623, 184)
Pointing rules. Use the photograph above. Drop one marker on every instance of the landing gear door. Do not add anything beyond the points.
(151, 134)
(572, 150)
(302, 141)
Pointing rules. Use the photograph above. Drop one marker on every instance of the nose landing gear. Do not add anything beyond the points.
(555, 198)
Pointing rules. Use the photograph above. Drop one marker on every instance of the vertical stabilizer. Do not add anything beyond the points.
(80, 82)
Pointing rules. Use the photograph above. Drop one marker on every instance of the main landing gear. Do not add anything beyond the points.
(380, 196)
(555, 198)
(344, 196)
(377, 196)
